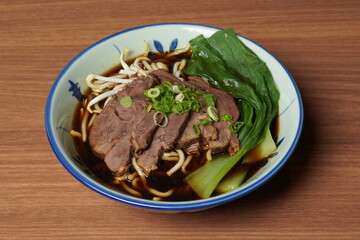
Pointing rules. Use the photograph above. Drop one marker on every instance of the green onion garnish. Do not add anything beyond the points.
(206, 122)
(196, 129)
(177, 99)
(167, 84)
(226, 117)
(126, 101)
(148, 109)
(235, 126)
(210, 99)
(153, 92)
(175, 89)
(213, 113)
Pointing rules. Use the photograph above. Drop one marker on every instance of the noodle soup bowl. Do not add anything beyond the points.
(70, 85)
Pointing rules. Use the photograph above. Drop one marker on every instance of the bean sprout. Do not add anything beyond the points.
(147, 66)
(162, 66)
(182, 64)
(122, 61)
(179, 51)
(154, 67)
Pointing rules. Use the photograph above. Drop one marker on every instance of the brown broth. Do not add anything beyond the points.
(158, 178)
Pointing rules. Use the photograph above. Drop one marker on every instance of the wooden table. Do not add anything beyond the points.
(315, 196)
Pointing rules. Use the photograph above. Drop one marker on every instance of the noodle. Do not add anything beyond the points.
(187, 161)
(130, 190)
(178, 164)
(83, 126)
(75, 134)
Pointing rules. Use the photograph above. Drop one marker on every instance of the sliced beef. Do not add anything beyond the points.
(218, 135)
(163, 76)
(194, 149)
(164, 140)
(119, 130)
(220, 140)
(189, 136)
(120, 133)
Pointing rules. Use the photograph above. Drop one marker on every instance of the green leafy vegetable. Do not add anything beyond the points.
(232, 67)
(233, 179)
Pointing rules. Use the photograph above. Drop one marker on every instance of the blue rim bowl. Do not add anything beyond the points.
(102, 55)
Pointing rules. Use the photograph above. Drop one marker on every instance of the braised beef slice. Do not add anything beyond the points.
(120, 133)
(118, 130)
(220, 140)
(164, 140)
(163, 76)
(194, 149)
(218, 135)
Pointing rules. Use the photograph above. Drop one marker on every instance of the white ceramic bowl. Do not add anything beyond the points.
(104, 54)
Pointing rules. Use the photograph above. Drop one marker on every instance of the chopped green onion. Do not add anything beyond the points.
(177, 109)
(153, 92)
(235, 126)
(126, 101)
(206, 122)
(176, 89)
(167, 84)
(226, 117)
(196, 129)
(177, 99)
(148, 109)
(213, 113)
(195, 106)
(192, 89)
(164, 122)
(180, 97)
(210, 99)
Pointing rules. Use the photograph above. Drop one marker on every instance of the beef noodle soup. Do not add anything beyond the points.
(145, 125)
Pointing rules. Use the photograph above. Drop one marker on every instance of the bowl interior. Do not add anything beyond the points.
(105, 54)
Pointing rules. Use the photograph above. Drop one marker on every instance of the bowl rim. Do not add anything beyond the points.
(164, 205)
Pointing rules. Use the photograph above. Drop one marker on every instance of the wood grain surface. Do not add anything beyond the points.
(315, 196)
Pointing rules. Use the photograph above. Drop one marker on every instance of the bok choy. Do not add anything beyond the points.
(231, 66)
